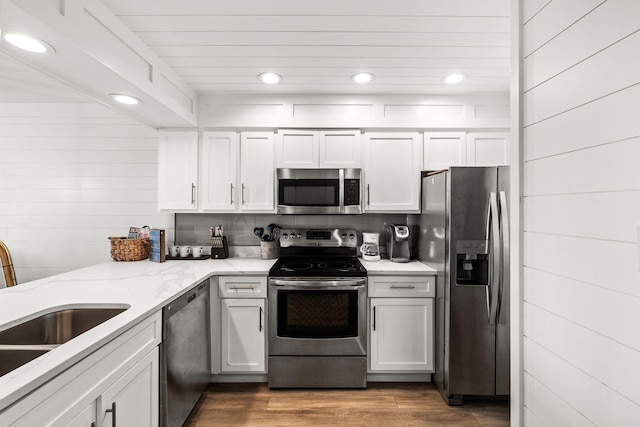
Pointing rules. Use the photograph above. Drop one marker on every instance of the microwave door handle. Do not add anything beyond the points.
(493, 235)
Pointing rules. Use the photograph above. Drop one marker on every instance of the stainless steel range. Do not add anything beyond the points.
(317, 311)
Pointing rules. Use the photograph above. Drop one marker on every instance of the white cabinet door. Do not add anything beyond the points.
(256, 172)
(488, 149)
(340, 149)
(133, 400)
(296, 149)
(243, 335)
(401, 334)
(444, 149)
(86, 418)
(219, 165)
(177, 170)
(392, 166)
(318, 149)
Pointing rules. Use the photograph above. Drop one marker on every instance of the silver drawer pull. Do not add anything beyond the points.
(237, 288)
(402, 287)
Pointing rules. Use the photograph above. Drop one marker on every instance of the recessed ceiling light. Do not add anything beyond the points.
(28, 43)
(125, 99)
(454, 78)
(270, 78)
(362, 78)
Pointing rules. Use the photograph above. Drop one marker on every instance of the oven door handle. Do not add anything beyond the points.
(318, 284)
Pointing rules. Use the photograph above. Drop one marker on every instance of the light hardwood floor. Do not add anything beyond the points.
(381, 404)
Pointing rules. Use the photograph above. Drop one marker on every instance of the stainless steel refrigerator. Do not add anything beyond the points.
(464, 234)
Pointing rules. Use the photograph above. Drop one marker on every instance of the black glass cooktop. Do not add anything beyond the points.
(318, 267)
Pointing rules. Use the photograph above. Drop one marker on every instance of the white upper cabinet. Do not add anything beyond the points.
(297, 149)
(444, 149)
(257, 179)
(318, 149)
(392, 166)
(219, 166)
(341, 149)
(178, 170)
(488, 149)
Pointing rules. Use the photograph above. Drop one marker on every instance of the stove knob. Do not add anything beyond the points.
(352, 236)
(343, 236)
(299, 236)
(285, 236)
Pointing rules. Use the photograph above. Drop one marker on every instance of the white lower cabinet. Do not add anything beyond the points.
(133, 399)
(122, 375)
(87, 417)
(399, 334)
(242, 324)
(243, 335)
(401, 324)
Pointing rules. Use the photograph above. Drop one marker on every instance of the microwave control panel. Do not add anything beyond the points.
(351, 192)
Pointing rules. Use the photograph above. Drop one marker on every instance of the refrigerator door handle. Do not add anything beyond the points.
(504, 240)
(493, 224)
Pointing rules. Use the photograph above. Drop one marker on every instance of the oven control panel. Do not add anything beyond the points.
(318, 237)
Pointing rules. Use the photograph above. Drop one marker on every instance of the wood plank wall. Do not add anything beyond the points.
(72, 175)
(581, 178)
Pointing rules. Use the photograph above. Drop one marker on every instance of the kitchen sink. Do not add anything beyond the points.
(58, 326)
(26, 341)
(11, 359)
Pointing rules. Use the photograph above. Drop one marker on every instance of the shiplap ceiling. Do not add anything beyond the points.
(409, 45)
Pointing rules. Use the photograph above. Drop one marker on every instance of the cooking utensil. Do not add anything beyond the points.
(258, 231)
(274, 232)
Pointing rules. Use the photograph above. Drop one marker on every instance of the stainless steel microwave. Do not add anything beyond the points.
(319, 191)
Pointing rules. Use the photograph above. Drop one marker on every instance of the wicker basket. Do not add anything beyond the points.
(123, 249)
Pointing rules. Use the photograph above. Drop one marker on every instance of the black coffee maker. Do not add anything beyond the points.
(398, 242)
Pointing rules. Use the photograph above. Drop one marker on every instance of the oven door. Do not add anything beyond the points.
(317, 317)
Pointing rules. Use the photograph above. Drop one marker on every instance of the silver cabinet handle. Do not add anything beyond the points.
(402, 287)
(368, 196)
(193, 194)
(243, 194)
(113, 414)
(235, 288)
(260, 320)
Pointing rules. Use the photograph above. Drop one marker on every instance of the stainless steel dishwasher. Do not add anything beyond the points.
(184, 355)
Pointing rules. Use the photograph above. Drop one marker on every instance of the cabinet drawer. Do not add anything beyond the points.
(402, 286)
(242, 286)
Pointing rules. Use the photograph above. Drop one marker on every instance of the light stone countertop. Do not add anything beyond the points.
(386, 267)
(143, 287)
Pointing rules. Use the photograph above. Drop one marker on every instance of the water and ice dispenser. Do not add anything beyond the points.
(472, 262)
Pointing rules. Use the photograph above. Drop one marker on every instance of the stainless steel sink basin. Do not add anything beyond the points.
(26, 341)
(57, 327)
(11, 359)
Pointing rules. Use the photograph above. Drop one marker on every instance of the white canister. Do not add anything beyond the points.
(370, 246)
